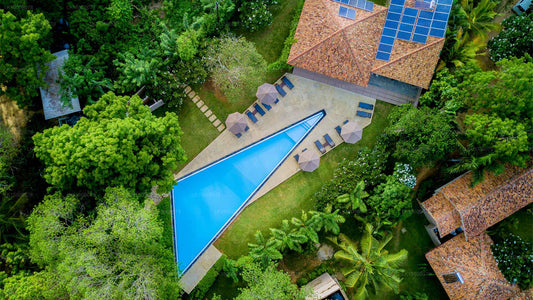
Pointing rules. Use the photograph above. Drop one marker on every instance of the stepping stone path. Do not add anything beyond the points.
(204, 109)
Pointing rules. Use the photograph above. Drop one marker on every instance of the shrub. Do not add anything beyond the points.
(319, 270)
(254, 14)
(281, 63)
(515, 260)
(205, 284)
(515, 38)
(390, 203)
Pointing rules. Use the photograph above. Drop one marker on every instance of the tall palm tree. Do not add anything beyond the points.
(266, 250)
(477, 20)
(461, 51)
(371, 264)
(329, 220)
(354, 200)
(288, 238)
(308, 226)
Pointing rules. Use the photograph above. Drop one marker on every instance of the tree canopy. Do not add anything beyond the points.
(22, 67)
(116, 254)
(514, 39)
(119, 143)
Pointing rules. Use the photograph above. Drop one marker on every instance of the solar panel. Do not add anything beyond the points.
(420, 38)
(391, 24)
(398, 2)
(343, 11)
(383, 56)
(395, 8)
(394, 16)
(385, 48)
(406, 28)
(408, 20)
(389, 32)
(387, 40)
(402, 35)
(345, 1)
(351, 14)
(421, 30)
(448, 2)
(425, 14)
(424, 22)
(369, 6)
(360, 4)
(440, 17)
(443, 8)
(410, 12)
(352, 3)
(438, 25)
(437, 32)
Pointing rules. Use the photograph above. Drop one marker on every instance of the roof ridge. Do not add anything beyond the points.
(335, 33)
(351, 53)
(408, 54)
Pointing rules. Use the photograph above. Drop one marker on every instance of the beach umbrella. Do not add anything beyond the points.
(236, 123)
(267, 93)
(309, 161)
(351, 132)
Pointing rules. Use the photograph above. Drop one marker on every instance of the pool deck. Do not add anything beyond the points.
(307, 97)
(192, 277)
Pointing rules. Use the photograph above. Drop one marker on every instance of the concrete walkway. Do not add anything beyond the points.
(194, 275)
(306, 98)
(204, 109)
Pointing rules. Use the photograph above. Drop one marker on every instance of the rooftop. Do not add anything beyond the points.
(345, 49)
(477, 208)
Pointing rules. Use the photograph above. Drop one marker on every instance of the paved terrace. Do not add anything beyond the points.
(306, 98)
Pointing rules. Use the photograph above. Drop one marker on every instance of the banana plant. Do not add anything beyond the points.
(354, 200)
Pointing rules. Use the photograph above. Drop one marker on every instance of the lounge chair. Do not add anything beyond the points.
(280, 90)
(259, 109)
(329, 141)
(338, 129)
(297, 156)
(268, 107)
(287, 82)
(366, 106)
(276, 102)
(246, 129)
(319, 146)
(238, 135)
(251, 116)
(363, 114)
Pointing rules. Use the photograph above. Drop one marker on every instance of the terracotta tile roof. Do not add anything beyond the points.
(483, 205)
(443, 213)
(345, 49)
(473, 260)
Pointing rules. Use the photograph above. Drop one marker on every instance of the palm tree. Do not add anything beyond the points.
(308, 226)
(476, 21)
(288, 238)
(265, 251)
(371, 265)
(460, 51)
(354, 200)
(329, 220)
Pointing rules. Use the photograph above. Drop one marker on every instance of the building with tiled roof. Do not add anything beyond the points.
(346, 49)
(474, 209)
(459, 215)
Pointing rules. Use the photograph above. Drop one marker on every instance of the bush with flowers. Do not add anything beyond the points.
(255, 14)
(515, 260)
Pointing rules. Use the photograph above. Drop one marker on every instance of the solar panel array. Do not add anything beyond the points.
(413, 24)
(347, 12)
(361, 4)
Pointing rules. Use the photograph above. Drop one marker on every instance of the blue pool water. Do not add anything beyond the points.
(205, 201)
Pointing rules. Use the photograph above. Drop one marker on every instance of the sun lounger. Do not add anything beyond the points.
(363, 114)
(329, 141)
(276, 102)
(238, 135)
(251, 116)
(280, 90)
(259, 109)
(246, 129)
(287, 82)
(338, 129)
(319, 146)
(297, 157)
(268, 107)
(366, 106)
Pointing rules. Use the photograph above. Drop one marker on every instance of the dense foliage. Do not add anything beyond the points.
(255, 14)
(420, 136)
(515, 38)
(367, 265)
(23, 54)
(119, 143)
(515, 260)
(114, 254)
(237, 68)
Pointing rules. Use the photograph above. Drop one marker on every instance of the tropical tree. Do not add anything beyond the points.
(288, 238)
(355, 199)
(308, 226)
(265, 251)
(370, 265)
(236, 67)
(460, 49)
(119, 143)
(137, 70)
(269, 284)
(329, 220)
(476, 18)
(23, 56)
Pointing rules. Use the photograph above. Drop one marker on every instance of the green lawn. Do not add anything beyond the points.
(296, 194)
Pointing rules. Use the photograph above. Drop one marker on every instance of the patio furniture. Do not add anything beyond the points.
(238, 135)
(287, 82)
(251, 116)
(268, 107)
(338, 128)
(259, 109)
(267, 93)
(366, 105)
(309, 161)
(319, 146)
(329, 141)
(236, 123)
(363, 114)
(297, 156)
(280, 90)
(351, 132)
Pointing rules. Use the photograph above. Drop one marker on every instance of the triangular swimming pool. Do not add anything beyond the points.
(205, 201)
